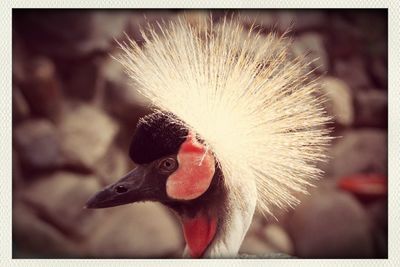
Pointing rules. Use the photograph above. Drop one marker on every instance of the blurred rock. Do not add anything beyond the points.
(35, 238)
(17, 179)
(277, 238)
(254, 245)
(371, 108)
(82, 78)
(144, 230)
(265, 18)
(353, 72)
(38, 145)
(331, 224)
(378, 212)
(340, 101)
(312, 45)
(19, 59)
(83, 32)
(86, 134)
(379, 72)
(121, 96)
(360, 151)
(344, 38)
(42, 88)
(112, 166)
(256, 225)
(301, 20)
(20, 107)
(197, 18)
(59, 199)
(142, 19)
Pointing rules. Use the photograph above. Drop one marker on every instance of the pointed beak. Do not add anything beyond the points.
(130, 188)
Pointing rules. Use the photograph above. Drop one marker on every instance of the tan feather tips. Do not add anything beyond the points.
(255, 105)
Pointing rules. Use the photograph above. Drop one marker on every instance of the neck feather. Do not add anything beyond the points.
(232, 224)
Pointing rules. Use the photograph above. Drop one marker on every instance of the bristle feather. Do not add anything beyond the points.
(255, 106)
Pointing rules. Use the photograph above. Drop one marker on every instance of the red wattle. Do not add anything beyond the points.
(199, 232)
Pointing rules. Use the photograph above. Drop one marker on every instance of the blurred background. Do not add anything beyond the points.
(74, 112)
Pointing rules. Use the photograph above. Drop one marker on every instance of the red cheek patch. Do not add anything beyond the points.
(195, 172)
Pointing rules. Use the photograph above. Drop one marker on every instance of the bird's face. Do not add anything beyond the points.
(172, 165)
(146, 182)
(174, 168)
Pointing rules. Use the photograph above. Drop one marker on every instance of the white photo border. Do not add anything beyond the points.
(6, 129)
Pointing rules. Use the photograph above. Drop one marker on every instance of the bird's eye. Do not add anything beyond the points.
(167, 165)
(121, 189)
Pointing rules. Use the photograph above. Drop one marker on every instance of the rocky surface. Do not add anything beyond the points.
(339, 100)
(86, 135)
(359, 151)
(159, 235)
(372, 108)
(278, 238)
(36, 135)
(74, 111)
(312, 45)
(331, 224)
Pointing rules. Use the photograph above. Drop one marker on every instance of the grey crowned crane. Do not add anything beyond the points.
(238, 125)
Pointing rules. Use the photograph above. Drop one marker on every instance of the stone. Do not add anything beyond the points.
(197, 18)
(35, 238)
(82, 78)
(331, 224)
(112, 166)
(60, 199)
(83, 32)
(121, 97)
(339, 103)
(265, 19)
(86, 133)
(353, 72)
(379, 71)
(42, 88)
(38, 145)
(141, 19)
(371, 108)
(300, 20)
(359, 151)
(276, 236)
(378, 212)
(256, 224)
(17, 177)
(106, 28)
(20, 107)
(254, 245)
(311, 45)
(19, 59)
(345, 40)
(141, 230)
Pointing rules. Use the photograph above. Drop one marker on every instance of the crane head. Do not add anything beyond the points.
(174, 168)
(243, 95)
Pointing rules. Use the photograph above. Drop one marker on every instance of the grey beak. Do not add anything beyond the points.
(126, 190)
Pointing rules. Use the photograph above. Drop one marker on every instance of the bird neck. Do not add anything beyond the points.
(240, 207)
(218, 232)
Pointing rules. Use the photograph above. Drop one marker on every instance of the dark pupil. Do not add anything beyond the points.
(167, 164)
(121, 189)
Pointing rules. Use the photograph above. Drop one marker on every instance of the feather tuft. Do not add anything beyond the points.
(256, 106)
